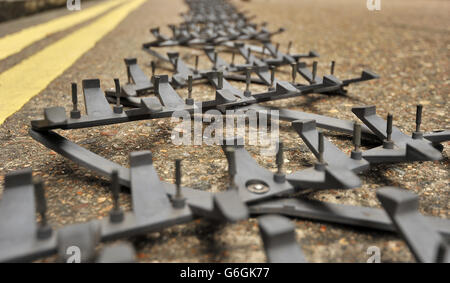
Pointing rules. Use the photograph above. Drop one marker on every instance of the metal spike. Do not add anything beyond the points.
(196, 64)
(118, 108)
(418, 134)
(219, 80)
(190, 86)
(418, 117)
(115, 189)
(178, 177)
(233, 54)
(215, 61)
(389, 126)
(388, 143)
(44, 231)
(75, 113)
(294, 72)
(153, 64)
(320, 164)
(272, 78)
(356, 153)
(116, 214)
(357, 135)
(321, 147)
(189, 100)
(333, 63)
(280, 177)
(230, 154)
(289, 48)
(74, 96)
(128, 74)
(249, 54)
(156, 85)
(178, 200)
(277, 47)
(314, 71)
(248, 80)
(279, 157)
(175, 63)
(41, 202)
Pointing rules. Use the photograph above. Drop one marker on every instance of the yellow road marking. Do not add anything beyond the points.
(32, 75)
(14, 43)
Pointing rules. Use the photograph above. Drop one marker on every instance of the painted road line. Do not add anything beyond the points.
(16, 42)
(26, 79)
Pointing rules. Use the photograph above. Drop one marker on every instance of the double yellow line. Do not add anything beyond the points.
(16, 42)
(32, 75)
